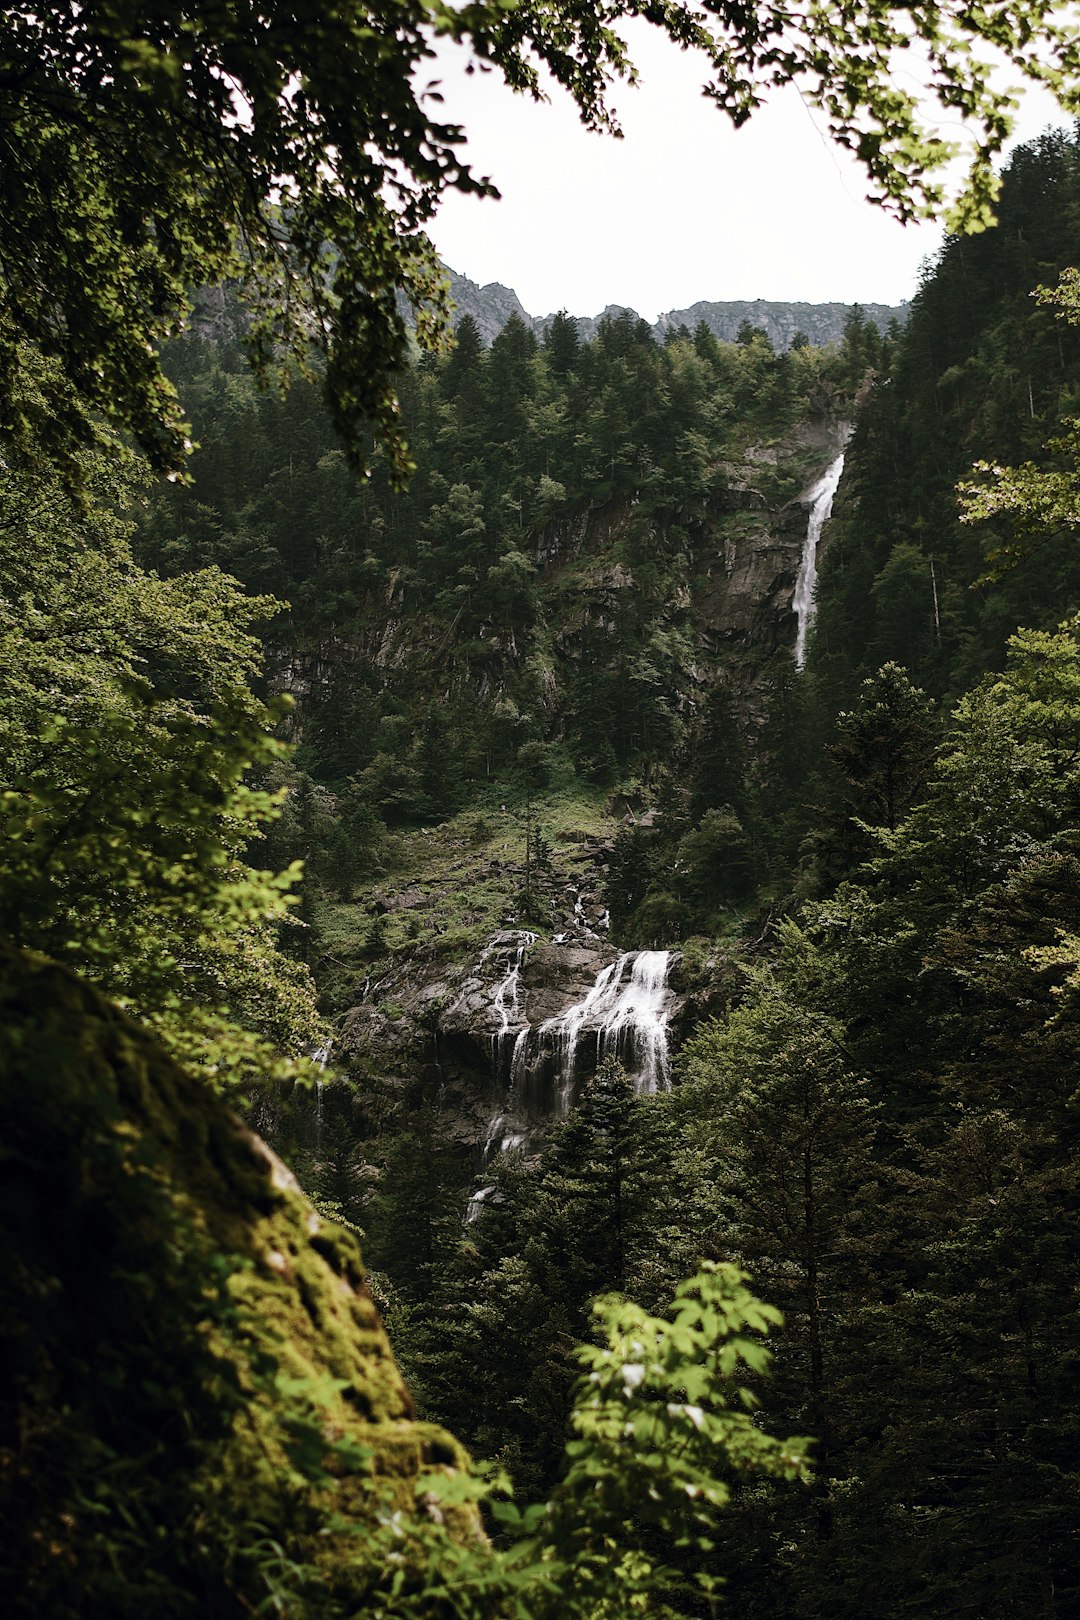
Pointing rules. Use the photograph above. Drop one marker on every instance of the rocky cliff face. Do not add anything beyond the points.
(492, 305)
(507, 1036)
(820, 324)
(217, 317)
(730, 591)
(437, 1018)
(449, 1025)
(747, 620)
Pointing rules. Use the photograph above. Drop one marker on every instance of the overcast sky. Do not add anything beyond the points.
(684, 208)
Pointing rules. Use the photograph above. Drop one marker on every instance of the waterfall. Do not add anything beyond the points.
(321, 1056)
(821, 504)
(626, 1015)
(476, 1204)
(507, 1005)
(501, 1136)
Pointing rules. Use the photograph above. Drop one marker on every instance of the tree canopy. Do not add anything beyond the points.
(147, 151)
(128, 723)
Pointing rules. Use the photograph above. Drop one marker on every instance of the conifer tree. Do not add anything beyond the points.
(881, 760)
(562, 344)
(718, 756)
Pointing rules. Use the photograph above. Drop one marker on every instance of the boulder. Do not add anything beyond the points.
(198, 1397)
(408, 900)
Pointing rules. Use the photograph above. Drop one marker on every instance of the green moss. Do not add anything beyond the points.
(199, 1400)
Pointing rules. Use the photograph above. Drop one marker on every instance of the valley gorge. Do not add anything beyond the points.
(656, 728)
(498, 1033)
(622, 881)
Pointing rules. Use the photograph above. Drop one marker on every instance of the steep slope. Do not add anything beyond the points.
(193, 1364)
(983, 371)
(595, 533)
(585, 593)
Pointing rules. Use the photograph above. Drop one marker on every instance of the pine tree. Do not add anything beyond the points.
(881, 760)
(516, 1299)
(718, 757)
(562, 345)
(438, 764)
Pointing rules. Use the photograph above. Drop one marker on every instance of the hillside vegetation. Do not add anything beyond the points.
(337, 773)
(599, 541)
(878, 861)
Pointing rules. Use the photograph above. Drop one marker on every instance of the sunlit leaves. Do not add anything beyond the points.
(662, 1428)
(127, 727)
(141, 156)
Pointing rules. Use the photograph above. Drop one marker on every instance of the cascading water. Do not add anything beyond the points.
(501, 1136)
(625, 1015)
(507, 1006)
(476, 1204)
(821, 505)
(321, 1056)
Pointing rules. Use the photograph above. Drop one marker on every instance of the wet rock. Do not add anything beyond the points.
(555, 977)
(449, 1032)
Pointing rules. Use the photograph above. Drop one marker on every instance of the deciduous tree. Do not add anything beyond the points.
(146, 153)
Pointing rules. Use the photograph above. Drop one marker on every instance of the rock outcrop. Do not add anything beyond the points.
(437, 1025)
(745, 610)
(484, 1035)
(820, 324)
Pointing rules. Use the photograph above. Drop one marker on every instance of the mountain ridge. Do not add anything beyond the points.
(492, 305)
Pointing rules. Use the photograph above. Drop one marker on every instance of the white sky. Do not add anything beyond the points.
(684, 208)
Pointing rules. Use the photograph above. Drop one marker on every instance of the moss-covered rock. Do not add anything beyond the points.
(200, 1413)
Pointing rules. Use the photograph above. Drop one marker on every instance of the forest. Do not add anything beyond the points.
(538, 1071)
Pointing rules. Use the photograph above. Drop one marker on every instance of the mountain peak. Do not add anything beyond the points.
(492, 305)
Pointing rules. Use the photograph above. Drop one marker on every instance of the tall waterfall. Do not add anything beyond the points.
(624, 1015)
(821, 504)
(320, 1055)
(507, 1005)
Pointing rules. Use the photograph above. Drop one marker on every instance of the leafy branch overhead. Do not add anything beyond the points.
(144, 153)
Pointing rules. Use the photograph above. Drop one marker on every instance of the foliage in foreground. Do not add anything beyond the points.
(128, 724)
(662, 1435)
(201, 1413)
(147, 154)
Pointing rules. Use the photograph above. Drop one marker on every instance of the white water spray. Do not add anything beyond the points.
(507, 1004)
(321, 1056)
(626, 1012)
(476, 1204)
(624, 1015)
(501, 1136)
(821, 505)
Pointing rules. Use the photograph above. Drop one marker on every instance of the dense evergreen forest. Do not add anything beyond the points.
(880, 1122)
(539, 589)
(425, 839)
